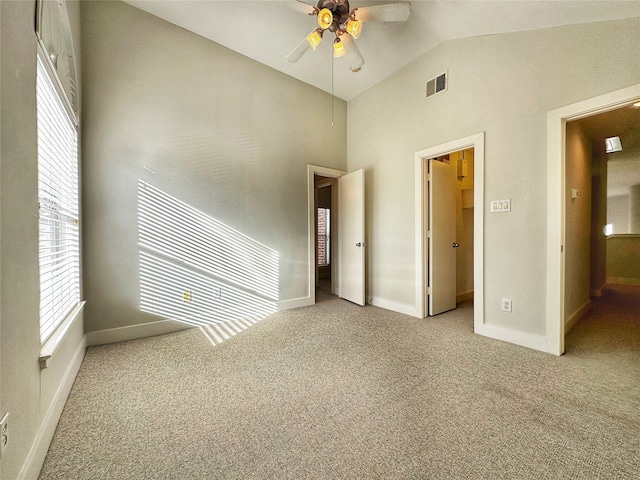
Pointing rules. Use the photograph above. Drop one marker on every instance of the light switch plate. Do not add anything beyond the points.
(501, 205)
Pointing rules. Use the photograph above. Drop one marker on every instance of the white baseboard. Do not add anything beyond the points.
(524, 339)
(570, 322)
(623, 281)
(464, 297)
(132, 332)
(394, 306)
(161, 327)
(294, 303)
(33, 464)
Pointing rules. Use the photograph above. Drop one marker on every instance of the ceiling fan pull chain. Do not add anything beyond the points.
(333, 98)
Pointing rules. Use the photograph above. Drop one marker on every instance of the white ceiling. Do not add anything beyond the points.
(266, 31)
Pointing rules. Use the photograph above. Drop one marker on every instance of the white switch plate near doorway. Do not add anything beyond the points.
(501, 205)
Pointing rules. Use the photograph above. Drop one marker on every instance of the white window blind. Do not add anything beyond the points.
(58, 200)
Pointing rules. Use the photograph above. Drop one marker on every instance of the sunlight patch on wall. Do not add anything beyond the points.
(197, 270)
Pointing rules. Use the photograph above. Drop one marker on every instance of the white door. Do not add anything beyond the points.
(442, 237)
(351, 237)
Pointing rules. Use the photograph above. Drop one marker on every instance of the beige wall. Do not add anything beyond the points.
(1, 102)
(29, 395)
(577, 220)
(619, 268)
(503, 85)
(19, 245)
(618, 213)
(214, 129)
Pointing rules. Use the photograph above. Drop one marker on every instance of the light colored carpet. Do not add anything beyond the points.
(340, 391)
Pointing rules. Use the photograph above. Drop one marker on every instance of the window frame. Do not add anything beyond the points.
(51, 337)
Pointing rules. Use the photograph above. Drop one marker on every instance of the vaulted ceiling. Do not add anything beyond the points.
(267, 30)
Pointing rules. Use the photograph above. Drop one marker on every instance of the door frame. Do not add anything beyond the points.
(556, 175)
(312, 171)
(476, 142)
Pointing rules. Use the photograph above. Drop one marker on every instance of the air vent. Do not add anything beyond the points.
(436, 85)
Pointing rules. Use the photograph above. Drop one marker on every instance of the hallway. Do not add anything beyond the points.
(611, 327)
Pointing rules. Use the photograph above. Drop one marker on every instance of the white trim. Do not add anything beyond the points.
(313, 170)
(33, 463)
(50, 347)
(132, 332)
(55, 80)
(477, 143)
(398, 307)
(294, 303)
(42, 50)
(517, 337)
(420, 243)
(556, 128)
(575, 318)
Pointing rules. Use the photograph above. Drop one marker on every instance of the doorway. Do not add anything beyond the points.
(449, 206)
(602, 218)
(325, 235)
(557, 199)
(471, 186)
(320, 178)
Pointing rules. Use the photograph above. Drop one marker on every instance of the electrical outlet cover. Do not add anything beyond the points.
(506, 305)
(4, 433)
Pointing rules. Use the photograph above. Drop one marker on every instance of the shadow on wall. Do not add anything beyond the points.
(196, 270)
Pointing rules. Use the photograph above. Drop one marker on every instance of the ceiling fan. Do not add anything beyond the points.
(336, 17)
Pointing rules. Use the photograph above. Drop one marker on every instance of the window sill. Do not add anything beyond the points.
(50, 347)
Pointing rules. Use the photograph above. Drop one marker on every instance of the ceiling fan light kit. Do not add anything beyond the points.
(335, 16)
(325, 18)
(338, 48)
(354, 27)
(314, 38)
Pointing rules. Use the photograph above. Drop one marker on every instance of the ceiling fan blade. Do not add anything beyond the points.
(355, 58)
(297, 51)
(304, 6)
(390, 12)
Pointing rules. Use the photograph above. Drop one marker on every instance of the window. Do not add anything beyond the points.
(58, 205)
(324, 236)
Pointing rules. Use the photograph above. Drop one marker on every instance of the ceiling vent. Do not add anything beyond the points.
(436, 85)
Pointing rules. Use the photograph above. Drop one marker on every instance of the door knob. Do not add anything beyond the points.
(361, 244)
(455, 245)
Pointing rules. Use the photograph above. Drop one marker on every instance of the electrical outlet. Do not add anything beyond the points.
(506, 304)
(4, 433)
(217, 292)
